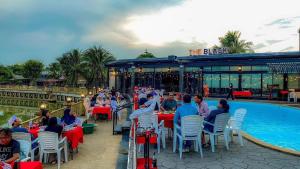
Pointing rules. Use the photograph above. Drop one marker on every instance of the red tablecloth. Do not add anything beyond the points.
(34, 132)
(102, 110)
(168, 119)
(242, 94)
(141, 163)
(284, 92)
(74, 136)
(30, 165)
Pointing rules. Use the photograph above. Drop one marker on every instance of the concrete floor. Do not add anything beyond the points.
(99, 151)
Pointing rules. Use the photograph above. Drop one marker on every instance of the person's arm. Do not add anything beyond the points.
(15, 157)
(162, 106)
(211, 115)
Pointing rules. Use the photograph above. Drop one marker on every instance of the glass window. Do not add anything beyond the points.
(224, 80)
(234, 79)
(215, 82)
(294, 81)
(256, 81)
(259, 68)
(207, 79)
(220, 68)
(246, 68)
(207, 68)
(278, 80)
(192, 69)
(267, 80)
(246, 81)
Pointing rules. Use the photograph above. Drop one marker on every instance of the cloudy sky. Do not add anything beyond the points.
(44, 29)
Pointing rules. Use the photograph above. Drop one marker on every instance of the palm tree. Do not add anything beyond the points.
(235, 45)
(54, 70)
(70, 63)
(94, 61)
(146, 54)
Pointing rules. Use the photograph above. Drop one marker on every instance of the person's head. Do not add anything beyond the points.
(171, 96)
(52, 121)
(198, 98)
(5, 136)
(45, 113)
(224, 105)
(187, 98)
(67, 112)
(17, 122)
(149, 96)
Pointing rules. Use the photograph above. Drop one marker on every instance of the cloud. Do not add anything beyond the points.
(259, 46)
(271, 42)
(287, 49)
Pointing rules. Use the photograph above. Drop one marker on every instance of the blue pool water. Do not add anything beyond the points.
(271, 123)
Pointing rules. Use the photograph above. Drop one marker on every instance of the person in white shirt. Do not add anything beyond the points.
(201, 106)
(147, 107)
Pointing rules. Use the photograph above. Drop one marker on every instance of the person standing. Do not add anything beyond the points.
(230, 94)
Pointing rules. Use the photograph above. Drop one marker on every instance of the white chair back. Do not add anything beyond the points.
(211, 108)
(48, 140)
(191, 126)
(145, 120)
(25, 143)
(221, 122)
(238, 118)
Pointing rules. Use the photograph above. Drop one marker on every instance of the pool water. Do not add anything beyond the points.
(271, 123)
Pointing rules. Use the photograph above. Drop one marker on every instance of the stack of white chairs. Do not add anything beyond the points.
(150, 120)
(27, 153)
(190, 130)
(235, 124)
(219, 125)
(292, 95)
(50, 144)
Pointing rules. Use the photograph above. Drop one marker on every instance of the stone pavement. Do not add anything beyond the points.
(99, 151)
(251, 156)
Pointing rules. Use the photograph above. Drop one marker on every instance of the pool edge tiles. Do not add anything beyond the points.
(268, 145)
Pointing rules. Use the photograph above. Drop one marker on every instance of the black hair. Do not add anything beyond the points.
(5, 131)
(224, 105)
(149, 95)
(52, 121)
(199, 97)
(187, 98)
(44, 112)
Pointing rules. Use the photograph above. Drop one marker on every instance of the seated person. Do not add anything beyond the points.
(16, 126)
(100, 101)
(54, 127)
(147, 107)
(169, 104)
(9, 148)
(45, 117)
(223, 107)
(201, 106)
(68, 118)
(186, 109)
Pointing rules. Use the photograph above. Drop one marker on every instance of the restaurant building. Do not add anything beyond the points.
(255, 72)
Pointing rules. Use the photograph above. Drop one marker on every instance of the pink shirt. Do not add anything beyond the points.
(203, 109)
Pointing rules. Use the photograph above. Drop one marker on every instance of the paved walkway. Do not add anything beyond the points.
(100, 150)
(251, 156)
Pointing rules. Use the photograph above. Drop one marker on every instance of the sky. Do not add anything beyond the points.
(45, 29)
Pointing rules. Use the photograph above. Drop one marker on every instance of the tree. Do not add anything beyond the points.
(5, 74)
(93, 62)
(54, 70)
(146, 54)
(16, 69)
(71, 66)
(232, 41)
(32, 69)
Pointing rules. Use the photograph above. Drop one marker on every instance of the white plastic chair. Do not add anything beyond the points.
(190, 129)
(292, 95)
(25, 138)
(235, 124)
(219, 125)
(50, 144)
(149, 120)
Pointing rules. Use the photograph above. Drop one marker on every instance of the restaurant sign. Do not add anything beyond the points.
(208, 51)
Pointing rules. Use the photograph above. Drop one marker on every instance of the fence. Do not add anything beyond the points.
(54, 89)
(75, 107)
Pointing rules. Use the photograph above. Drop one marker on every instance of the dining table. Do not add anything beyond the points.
(74, 136)
(104, 110)
(28, 165)
(168, 119)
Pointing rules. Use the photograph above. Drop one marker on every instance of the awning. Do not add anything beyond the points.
(284, 67)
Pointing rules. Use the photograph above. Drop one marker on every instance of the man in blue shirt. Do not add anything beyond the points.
(186, 109)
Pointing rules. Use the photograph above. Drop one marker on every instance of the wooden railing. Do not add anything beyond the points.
(75, 107)
(54, 89)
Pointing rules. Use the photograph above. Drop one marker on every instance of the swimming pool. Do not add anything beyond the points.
(273, 124)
